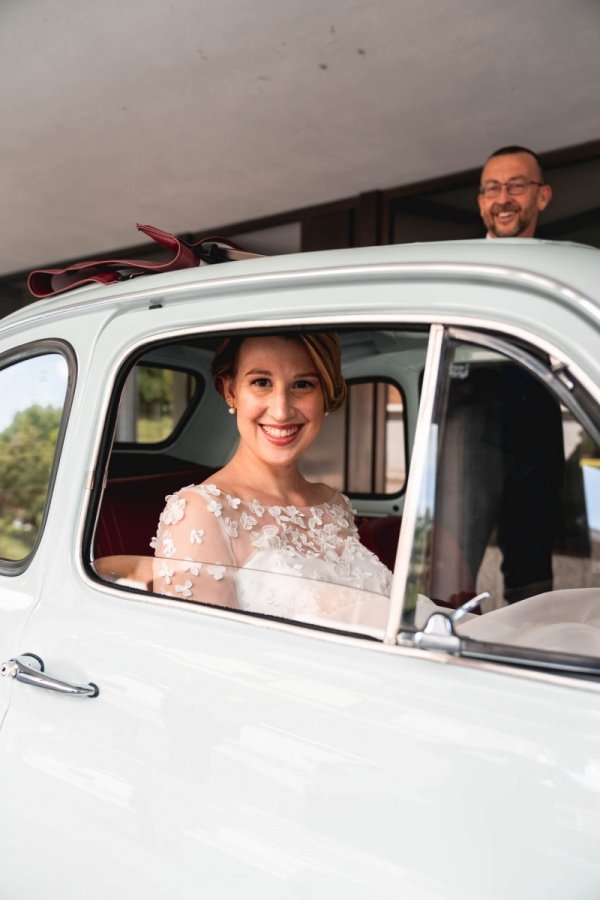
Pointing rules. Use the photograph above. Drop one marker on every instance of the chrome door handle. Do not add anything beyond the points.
(34, 674)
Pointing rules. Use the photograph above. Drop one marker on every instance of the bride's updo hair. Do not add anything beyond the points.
(322, 346)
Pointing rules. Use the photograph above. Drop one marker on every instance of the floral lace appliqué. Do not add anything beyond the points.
(291, 536)
(317, 544)
(174, 510)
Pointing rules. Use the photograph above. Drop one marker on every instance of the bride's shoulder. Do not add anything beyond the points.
(188, 492)
(340, 504)
(204, 496)
(208, 488)
(219, 497)
(330, 496)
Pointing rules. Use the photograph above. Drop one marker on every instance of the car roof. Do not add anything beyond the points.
(572, 265)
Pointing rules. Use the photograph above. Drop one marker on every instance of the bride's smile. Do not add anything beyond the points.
(278, 399)
(282, 435)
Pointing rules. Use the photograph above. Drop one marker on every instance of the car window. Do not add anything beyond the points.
(361, 448)
(510, 506)
(374, 457)
(259, 592)
(33, 391)
(155, 401)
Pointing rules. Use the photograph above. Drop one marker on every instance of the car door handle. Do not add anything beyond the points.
(34, 674)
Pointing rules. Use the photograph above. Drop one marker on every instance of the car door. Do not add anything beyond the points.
(219, 747)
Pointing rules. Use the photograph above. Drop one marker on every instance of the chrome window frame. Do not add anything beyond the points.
(557, 379)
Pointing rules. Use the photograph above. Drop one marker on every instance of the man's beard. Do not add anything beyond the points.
(522, 223)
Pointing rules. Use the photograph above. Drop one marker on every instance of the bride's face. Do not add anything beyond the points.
(278, 399)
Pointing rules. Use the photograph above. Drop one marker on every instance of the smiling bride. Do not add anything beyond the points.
(258, 535)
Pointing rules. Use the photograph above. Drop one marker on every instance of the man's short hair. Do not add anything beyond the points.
(514, 148)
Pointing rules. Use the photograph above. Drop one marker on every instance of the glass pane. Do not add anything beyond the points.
(499, 481)
(510, 505)
(395, 442)
(384, 370)
(33, 393)
(324, 461)
(262, 591)
(361, 449)
(153, 403)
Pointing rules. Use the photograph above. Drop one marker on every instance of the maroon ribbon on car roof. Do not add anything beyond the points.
(185, 255)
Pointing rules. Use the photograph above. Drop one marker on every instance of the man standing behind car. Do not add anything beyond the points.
(512, 193)
(503, 431)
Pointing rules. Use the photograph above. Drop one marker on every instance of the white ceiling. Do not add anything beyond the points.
(189, 114)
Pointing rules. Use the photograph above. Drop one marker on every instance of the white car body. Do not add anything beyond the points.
(230, 755)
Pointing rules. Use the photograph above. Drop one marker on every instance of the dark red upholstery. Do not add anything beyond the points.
(380, 536)
(131, 508)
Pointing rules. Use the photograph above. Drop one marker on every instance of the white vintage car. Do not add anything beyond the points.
(442, 742)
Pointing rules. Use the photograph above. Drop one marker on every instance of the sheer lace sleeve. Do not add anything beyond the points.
(212, 547)
(194, 554)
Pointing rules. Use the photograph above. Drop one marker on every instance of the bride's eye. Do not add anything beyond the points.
(304, 385)
(260, 382)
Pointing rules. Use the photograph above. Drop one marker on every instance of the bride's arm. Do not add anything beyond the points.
(193, 554)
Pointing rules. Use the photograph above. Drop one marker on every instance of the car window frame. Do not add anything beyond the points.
(106, 445)
(373, 495)
(13, 356)
(172, 438)
(435, 330)
(561, 378)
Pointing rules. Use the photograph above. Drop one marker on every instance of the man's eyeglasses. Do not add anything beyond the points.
(514, 187)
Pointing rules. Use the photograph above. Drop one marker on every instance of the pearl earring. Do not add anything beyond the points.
(327, 412)
(231, 410)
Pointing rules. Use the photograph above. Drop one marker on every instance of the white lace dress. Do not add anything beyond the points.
(299, 563)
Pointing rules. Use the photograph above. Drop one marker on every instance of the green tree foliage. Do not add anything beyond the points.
(155, 390)
(27, 448)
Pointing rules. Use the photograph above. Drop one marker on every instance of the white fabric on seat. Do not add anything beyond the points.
(567, 621)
